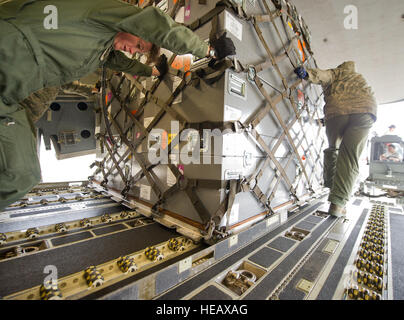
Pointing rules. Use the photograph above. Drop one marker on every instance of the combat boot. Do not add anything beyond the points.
(336, 210)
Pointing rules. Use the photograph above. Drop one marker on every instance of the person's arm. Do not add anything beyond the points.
(395, 157)
(76, 87)
(119, 62)
(322, 77)
(38, 102)
(150, 24)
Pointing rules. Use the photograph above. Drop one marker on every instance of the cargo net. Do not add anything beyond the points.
(285, 130)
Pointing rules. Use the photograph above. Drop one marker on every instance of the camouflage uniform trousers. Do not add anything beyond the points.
(347, 136)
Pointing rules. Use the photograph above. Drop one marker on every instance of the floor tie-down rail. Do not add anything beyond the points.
(75, 259)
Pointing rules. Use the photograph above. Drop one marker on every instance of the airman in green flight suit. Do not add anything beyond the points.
(36, 53)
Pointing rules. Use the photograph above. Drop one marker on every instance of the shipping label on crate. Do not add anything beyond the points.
(233, 26)
(232, 114)
(232, 174)
(145, 192)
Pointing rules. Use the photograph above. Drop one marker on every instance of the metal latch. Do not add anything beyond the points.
(237, 86)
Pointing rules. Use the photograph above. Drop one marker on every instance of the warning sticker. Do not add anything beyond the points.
(233, 26)
(187, 13)
(300, 98)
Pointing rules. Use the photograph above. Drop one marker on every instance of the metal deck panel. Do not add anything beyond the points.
(27, 271)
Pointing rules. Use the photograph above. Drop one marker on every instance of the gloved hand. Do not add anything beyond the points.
(224, 47)
(162, 66)
(97, 88)
(301, 73)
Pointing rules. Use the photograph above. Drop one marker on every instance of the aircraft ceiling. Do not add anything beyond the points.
(376, 45)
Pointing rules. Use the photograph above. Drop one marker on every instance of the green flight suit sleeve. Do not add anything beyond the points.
(119, 62)
(150, 24)
(323, 77)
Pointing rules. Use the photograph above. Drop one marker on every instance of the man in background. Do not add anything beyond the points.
(391, 130)
(392, 154)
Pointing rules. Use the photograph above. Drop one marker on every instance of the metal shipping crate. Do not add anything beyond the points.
(216, 147)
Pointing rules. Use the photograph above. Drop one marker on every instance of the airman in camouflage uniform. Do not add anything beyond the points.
(350, 111)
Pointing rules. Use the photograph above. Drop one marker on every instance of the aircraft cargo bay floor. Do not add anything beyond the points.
(304, 254)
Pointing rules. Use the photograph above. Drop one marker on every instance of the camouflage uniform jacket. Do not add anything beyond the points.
(39, 101)
(345, 91)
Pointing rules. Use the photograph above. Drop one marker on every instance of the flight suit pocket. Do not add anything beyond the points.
(17, 144)
(3, 123)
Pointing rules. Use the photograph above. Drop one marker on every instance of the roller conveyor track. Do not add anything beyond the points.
(58, 214)
(12, 210)
(28, 271)
(292, 255)
(322, 266)
(208, 275)
(63, 237)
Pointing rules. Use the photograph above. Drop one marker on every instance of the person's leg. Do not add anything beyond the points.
(38, 102)
(19, 166)
(334, 129)
(347, 167)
